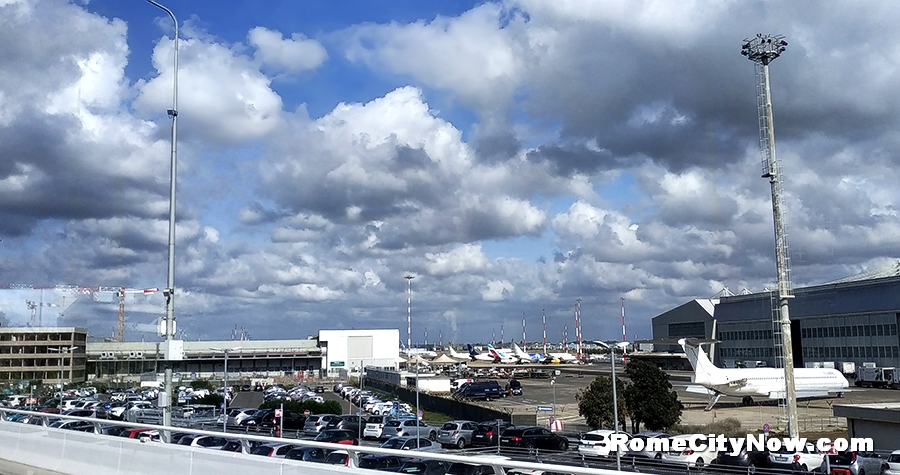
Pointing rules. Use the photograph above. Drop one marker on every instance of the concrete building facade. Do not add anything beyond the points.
(348, 350)
(51, 355)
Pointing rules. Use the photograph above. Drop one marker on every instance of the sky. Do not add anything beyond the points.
(512, 156)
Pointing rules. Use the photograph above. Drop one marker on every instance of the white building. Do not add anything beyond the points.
(346, 350)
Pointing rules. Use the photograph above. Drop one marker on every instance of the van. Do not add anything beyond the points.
(486, 390)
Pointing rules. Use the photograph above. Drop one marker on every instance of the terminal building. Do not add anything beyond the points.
(54, 355)
(854, 320)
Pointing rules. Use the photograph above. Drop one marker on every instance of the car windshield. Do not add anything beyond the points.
(393, 444)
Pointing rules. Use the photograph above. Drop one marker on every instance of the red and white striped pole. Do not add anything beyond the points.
(624, 340)
(544, 324)
(524, 341)
(577, 354)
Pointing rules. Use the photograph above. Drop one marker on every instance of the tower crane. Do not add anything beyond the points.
(121, 294)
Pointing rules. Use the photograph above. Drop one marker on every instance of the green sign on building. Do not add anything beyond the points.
(336, 364)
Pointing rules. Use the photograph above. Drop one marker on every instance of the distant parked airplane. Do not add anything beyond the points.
(476, 356)
(765, 383)
(502, 356)
(414, 352)
(523, 357)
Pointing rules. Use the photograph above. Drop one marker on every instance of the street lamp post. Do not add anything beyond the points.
(169, 292)
(612, 359)
(225, 385)
(62, 351)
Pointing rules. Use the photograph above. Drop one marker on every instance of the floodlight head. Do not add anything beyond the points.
(764, 48)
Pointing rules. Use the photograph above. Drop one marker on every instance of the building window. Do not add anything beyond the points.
(896, 351)
(893, 329)
(855, 331)
(879, 330)
(688, 329)
(843, 331)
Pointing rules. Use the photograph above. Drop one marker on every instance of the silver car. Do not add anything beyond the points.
(316, 422)
(456, 434)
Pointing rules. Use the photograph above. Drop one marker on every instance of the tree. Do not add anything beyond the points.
(595, 402)
(650, 398)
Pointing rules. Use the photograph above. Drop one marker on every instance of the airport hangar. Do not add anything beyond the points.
(32, 353)
(850, 320)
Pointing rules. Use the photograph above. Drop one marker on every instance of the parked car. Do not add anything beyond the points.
(597, 443)
(81, 426)
(266, 418)
(349, 422)
(316, 422)
(273, 450)
(384, 463)
(456, 434)
(688, 456)
(531, 437)
(205, 441)
(482, 467)
(240, 446)
(238, 414)
(133, 432)
(514, 387)
(411, 443)
(306, 454)
(746, 457)
(320, 389)
(804, 460)
(892, 466)
(337, 436)
(857, 463)
(425, 467)
(487, 432)
(338, 457)
(647, 452)
(408, 427)
(374, 426)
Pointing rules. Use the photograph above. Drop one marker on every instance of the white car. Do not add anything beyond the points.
(596, 443)
(374, 427)
(807, 459)
(119, 412)
(688, 456)
(893, 464)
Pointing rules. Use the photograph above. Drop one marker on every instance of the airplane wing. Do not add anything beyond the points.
(696, 388)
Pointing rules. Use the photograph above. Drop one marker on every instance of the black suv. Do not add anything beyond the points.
(514, 387)
(533, 438)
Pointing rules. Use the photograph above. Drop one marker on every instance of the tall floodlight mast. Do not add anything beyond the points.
(762, 50)
(409, 279)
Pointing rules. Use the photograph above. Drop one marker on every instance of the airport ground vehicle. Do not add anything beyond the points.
(485, 390)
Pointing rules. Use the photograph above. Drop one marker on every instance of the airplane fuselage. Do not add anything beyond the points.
(764, 381)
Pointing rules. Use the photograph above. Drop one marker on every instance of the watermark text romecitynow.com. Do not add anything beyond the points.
(734, 445)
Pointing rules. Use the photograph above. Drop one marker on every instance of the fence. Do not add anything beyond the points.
(460, 410)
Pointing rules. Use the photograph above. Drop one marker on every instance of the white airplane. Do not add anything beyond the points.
(476, 356)
(563, 357)
(765, 383)
(413, 352)
(459, 356)
(501, 356)
(524, 357)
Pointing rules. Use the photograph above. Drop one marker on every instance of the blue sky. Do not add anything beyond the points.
(513, 155)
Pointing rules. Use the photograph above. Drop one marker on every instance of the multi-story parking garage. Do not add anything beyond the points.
(852, 320)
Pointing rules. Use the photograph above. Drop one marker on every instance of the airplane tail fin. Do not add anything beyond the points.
(704, 370)
(518, 351)
(471, 350)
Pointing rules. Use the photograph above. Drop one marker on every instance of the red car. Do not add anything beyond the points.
(337, 436)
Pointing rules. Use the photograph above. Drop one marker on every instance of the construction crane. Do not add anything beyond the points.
(121, 294)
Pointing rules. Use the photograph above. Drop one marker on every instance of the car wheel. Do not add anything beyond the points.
(699, 462)
(862, 472)
(751, 468)
(461, 443)
(658, 456)
(803, 468)
(563, 445)
(432, 436)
